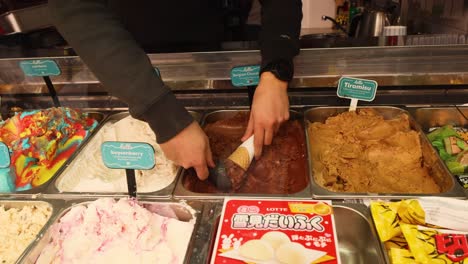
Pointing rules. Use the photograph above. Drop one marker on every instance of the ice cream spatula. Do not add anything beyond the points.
(227, 174)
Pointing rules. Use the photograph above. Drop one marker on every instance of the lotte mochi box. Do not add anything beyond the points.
(276, 231)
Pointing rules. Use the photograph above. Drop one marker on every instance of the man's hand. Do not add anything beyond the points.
(190, 148)
(270, 108)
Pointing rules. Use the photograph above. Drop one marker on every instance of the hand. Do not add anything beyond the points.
(270, 108)
(190, 148)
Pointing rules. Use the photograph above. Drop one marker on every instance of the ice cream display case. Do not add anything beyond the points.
(95, 179)
(421, 90)
(279, 173)
(121, 229)
(191, 231)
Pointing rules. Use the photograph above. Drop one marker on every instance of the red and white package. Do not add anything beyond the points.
(276, 232)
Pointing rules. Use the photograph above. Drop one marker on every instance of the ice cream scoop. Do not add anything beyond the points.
(218, 176)
(229, 174)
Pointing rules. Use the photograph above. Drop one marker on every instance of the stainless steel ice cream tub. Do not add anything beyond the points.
(442, 177)
(188, 186)
(99, 117)
(18, 204)
(432, 117)
(190, 211)
(358, 241)
(78, 179)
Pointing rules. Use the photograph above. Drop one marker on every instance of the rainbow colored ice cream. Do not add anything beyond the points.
(40, 142)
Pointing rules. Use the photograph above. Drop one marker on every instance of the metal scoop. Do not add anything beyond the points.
(218, 176)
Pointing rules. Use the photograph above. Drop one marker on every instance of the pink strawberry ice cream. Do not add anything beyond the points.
(123, 231)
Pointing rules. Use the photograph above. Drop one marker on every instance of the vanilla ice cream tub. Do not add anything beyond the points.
(276, 231)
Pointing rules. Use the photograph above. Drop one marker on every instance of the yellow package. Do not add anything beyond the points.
(388, 215)
(398, 242)
(411, 212)
(401, 256)
(434, 246)
(386, 219)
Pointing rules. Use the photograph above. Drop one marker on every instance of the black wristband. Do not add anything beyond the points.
(282, 69)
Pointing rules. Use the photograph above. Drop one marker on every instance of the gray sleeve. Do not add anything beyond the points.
(119, 63)
(281, 26)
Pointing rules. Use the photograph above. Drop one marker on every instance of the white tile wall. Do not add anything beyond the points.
(314, 9)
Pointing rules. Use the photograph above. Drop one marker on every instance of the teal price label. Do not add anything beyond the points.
(354, 88)
(245, 75)
(127, 155)
(4, 156)
(40, 68)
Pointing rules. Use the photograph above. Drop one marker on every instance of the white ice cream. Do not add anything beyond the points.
(19, 227)
(88, 173)
(109, 231)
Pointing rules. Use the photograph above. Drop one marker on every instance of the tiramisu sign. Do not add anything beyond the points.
(354, 88)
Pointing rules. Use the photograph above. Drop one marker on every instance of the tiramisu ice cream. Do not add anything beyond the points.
(361, 152)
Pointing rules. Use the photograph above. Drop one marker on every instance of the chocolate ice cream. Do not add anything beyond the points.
(361, 152)
(282, 168)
